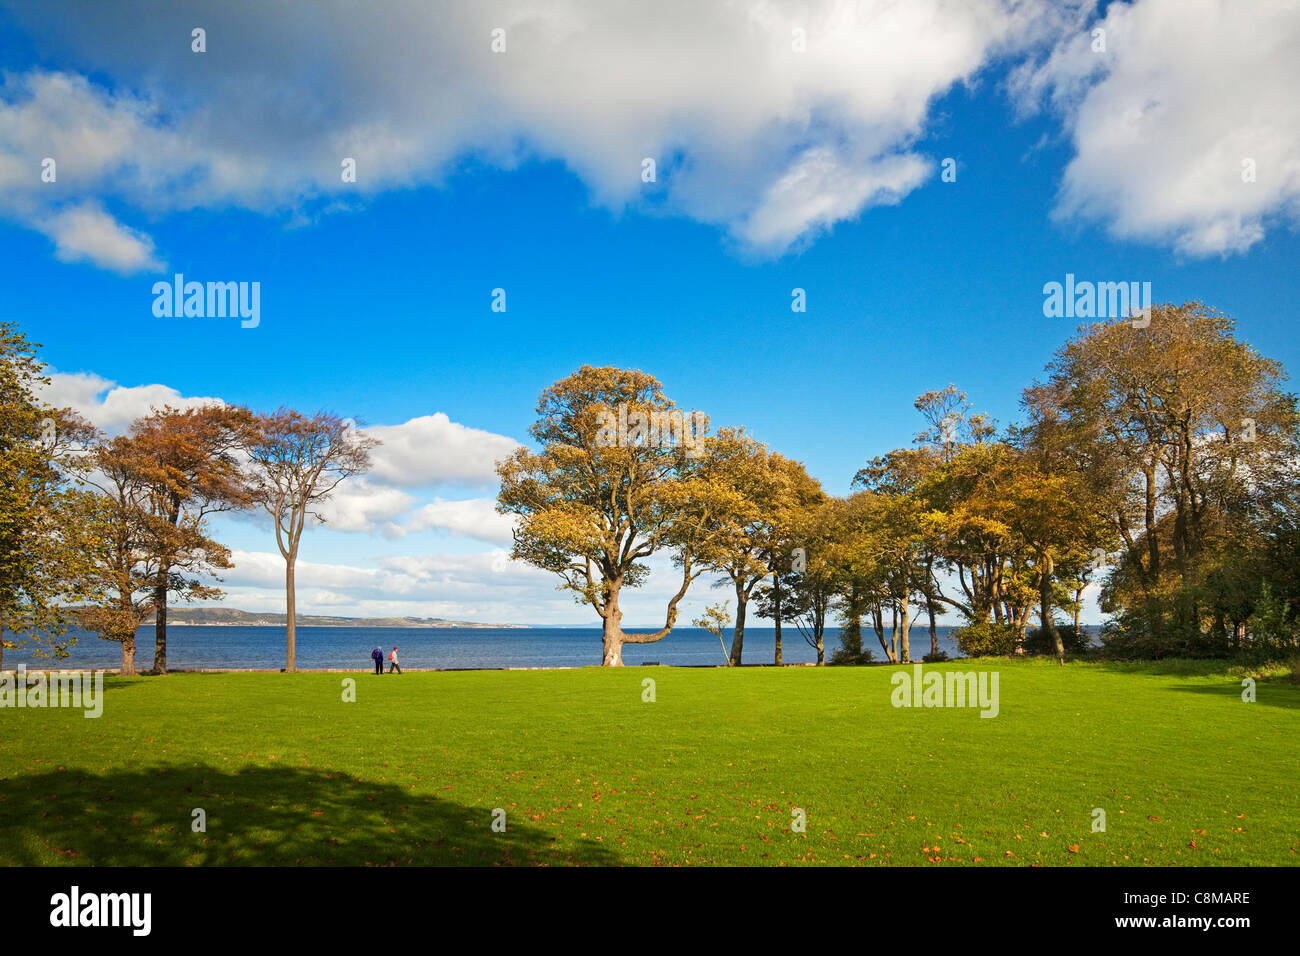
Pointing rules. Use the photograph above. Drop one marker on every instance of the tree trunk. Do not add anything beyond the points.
(290, 632)
(934, 631)
(929, 606)
(738, 635)
(128, 656)
(611, 644)
(905, 647)
(819, 631)
(890, 647)
(160, 630)
(612, 628)
(1045, 603)
(776, 612)
(878, 625)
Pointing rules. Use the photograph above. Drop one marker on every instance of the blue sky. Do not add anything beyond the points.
(375, 296)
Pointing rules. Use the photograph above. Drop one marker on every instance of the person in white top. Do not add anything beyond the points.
(392, 661)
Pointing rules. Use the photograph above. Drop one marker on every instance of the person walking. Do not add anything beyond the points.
(377, 655)
(392, 661)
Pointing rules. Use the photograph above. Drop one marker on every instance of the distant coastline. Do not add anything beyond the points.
(218, 616)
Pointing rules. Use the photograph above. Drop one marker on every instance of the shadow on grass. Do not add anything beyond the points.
(1275, 692)
(1166, 667)
(1270, 693)
(257, 816)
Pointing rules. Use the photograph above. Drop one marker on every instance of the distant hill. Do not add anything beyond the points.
(232, 616)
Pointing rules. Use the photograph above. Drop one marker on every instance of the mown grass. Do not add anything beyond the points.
(709, 773)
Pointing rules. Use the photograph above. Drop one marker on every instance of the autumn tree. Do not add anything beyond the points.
(759, 494)
(297, 462)
(800, 493)
(864, 571)
(900, 536)
(808, 590)
(190, 463)
(1052, 514)
(124, 540)
(968, 522)
(615, 481)
(38, 566)
(715, 619)
(1188, 435)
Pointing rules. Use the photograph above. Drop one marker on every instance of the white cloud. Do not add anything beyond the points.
(360, 504)
(475, 587)
(818, 187)
(110, 406)
(771, 144)
(432, 449)
(1162, 121)
(473, 518)
(86, 233)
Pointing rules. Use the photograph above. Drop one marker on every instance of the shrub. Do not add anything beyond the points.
(1272, 631)
(860, 655)
(851, 650)
(1134, 637)
(986, 639)
(938, 657)
(1038, 641)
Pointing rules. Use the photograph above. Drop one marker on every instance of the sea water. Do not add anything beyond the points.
(196, 647)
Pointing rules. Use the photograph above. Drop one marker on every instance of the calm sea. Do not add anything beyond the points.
(195, 647)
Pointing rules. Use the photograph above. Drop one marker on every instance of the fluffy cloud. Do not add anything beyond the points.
(1162, 121)
(485, 587)
(771, 120)
(86, 233)
(473, 518)
(110, 406)
(360, 504)
(432, 449)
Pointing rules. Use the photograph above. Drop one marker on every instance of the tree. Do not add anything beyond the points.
(38, 568)
(799, 494)
(808, 589)
(297, 461)
(741, 532)
(189, 461)
(758, 494)
(897, 531)
(864, 570)
(123, 539)
(715, 619)
(967, 521)
(1187, 435)
(1052, 514)
(952, 430)
(138, 550)
(610, 487)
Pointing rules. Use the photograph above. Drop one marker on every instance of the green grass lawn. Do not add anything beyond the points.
(709, 773)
